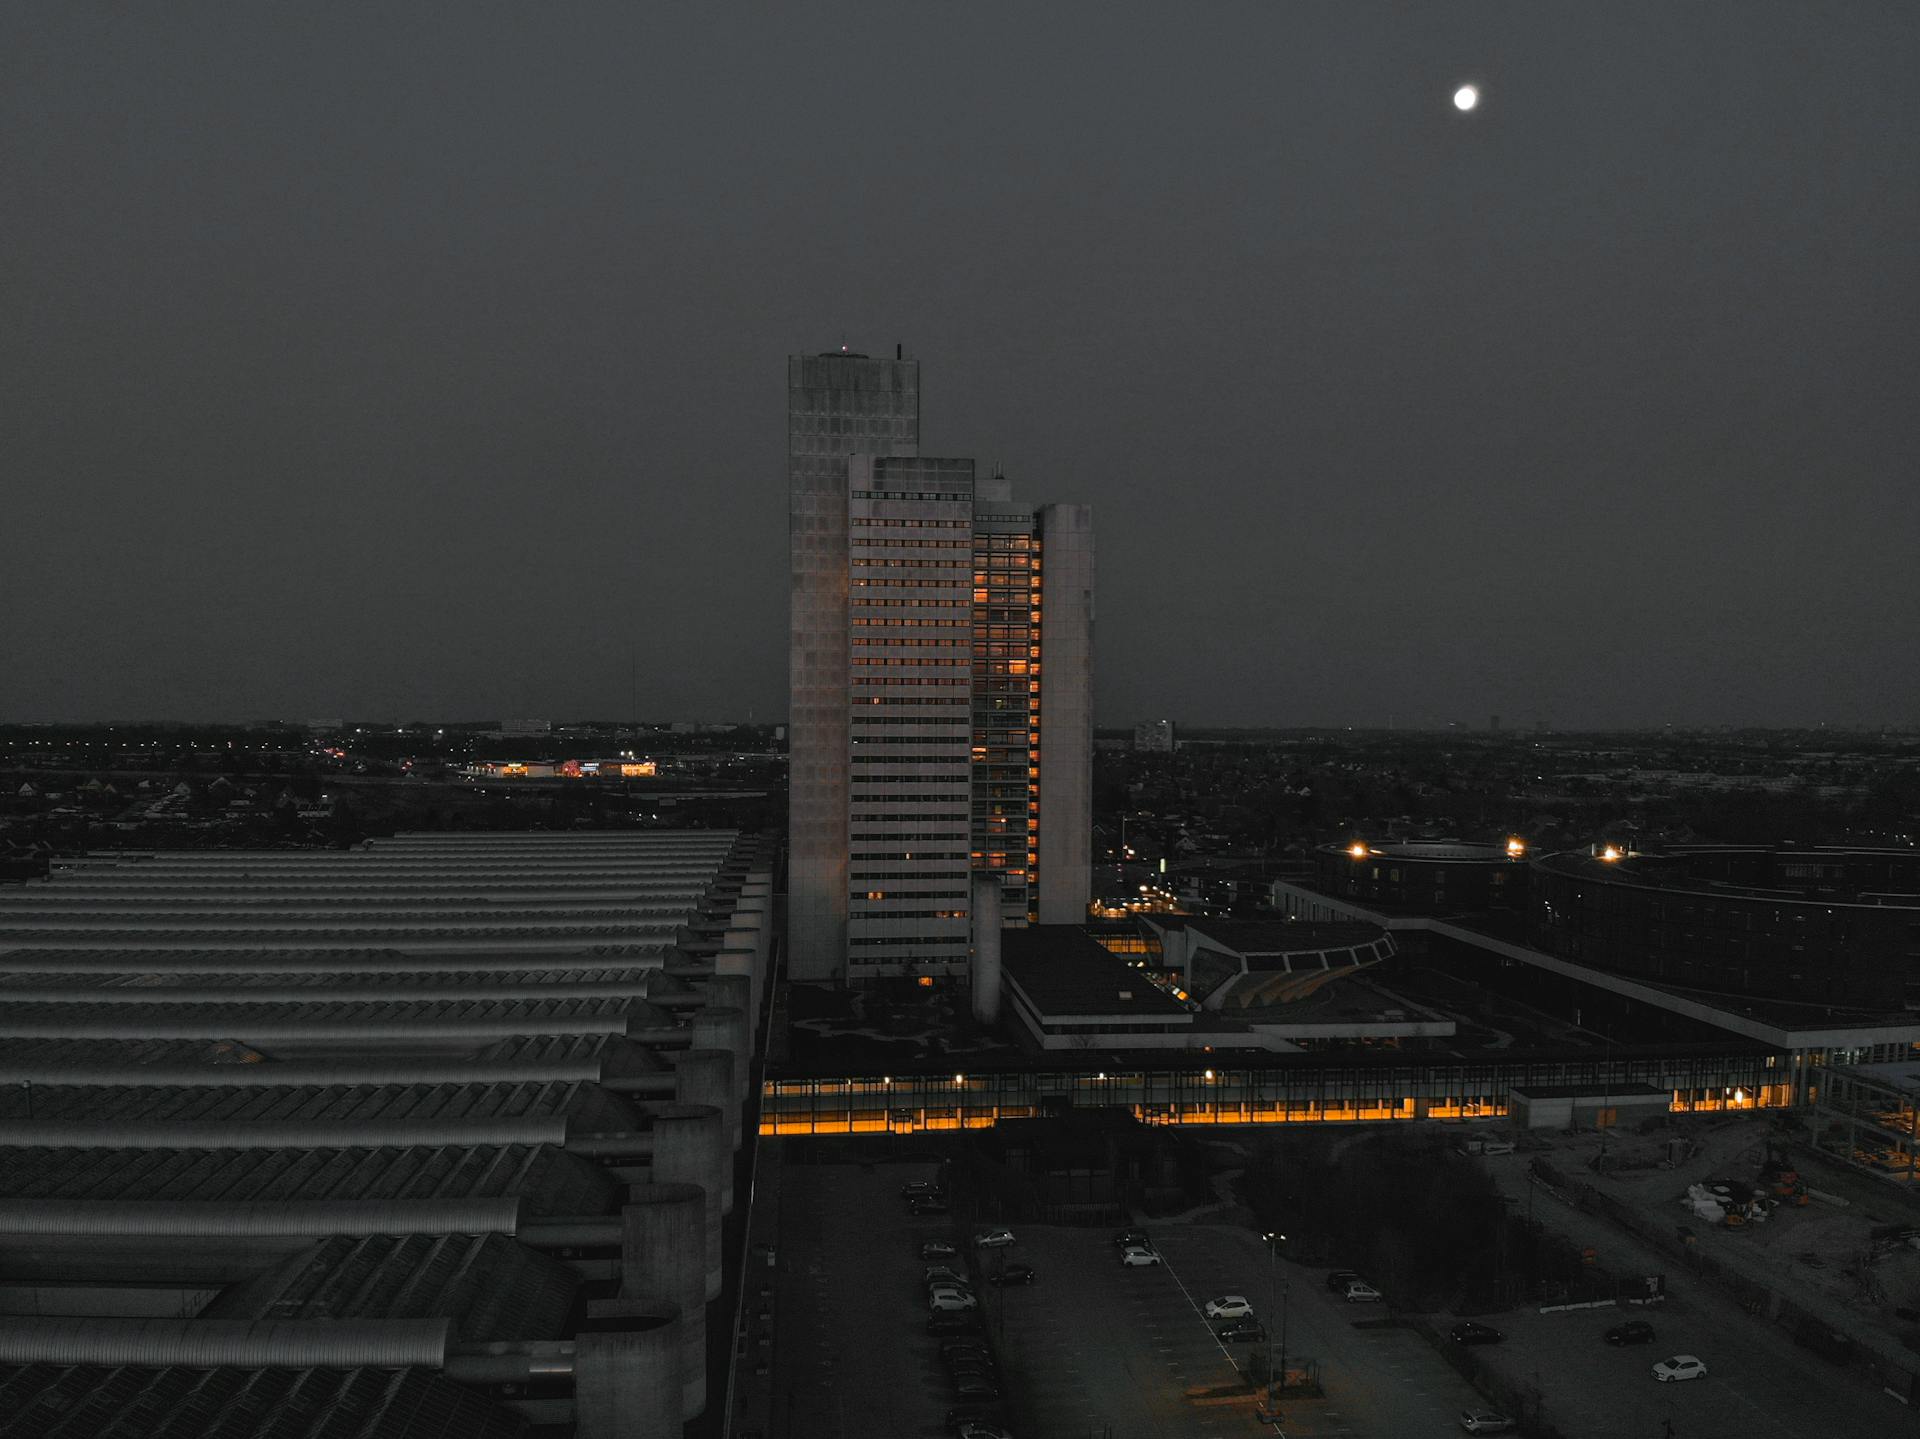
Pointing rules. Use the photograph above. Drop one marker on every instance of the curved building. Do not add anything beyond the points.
(1814, 925)
(1431, 876)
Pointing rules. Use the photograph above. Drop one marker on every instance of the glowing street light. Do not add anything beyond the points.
(1358, 850)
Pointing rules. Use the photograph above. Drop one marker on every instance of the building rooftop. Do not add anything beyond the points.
(51, 1401)
(1061, 969)
(492, 1289)
(547, 1180)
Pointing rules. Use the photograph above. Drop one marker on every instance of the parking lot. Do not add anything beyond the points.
(1091, 1349)
(1759, 1384)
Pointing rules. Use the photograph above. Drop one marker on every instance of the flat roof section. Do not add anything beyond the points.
(1062, 970)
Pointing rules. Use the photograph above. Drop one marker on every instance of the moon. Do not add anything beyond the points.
(1466, 97)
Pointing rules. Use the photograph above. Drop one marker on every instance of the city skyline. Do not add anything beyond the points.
(436, 389)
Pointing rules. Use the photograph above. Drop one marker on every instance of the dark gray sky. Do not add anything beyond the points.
(417, 361)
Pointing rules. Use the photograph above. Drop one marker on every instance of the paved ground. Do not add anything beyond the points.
(1091, 1351)
(851, 1355)
(1759, 1382)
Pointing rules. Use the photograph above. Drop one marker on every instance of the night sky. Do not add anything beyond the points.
(420, 361)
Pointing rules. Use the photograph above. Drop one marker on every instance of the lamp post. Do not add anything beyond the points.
(1276, 1299)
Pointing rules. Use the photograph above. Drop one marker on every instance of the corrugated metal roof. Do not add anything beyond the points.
(491, 1288)
(169, 1218)
(546, 1180)
(45, 1401)
(593, 1108)
(208, 1344)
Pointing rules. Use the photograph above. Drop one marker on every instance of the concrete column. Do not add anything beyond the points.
(986, 948)
(733, 990)
(745, 962)
(663, 1253)
(689, 1147)
(708, 1076)
(626, 1382)
(723, 1026)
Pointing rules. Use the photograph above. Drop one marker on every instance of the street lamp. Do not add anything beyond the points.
(1277, 1295)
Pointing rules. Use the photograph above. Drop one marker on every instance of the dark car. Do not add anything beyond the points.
(927, 1204)
(937, 1253)
(954, 1348)
(1013, 1274)
(971, 1413)
(1634, 1331)
(974, 1387)
(919, 1187)
(1471, 1333)
(1133, 1238)
(953, 1322)
(1340, 1279)
(1242, 1331)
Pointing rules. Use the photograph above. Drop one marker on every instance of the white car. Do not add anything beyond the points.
(1485, 1421)
(950, 1301)
(1681, 1366)
(1358, 1291)
(1228, 1306)
(993, 1239)
(1136, 1255)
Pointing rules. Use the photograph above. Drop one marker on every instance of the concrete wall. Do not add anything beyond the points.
(837, 405)
(1066, 713)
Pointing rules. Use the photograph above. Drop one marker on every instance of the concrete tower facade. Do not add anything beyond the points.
(837, 405)
(941, 709)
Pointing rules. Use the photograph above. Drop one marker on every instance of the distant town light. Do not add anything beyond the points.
(1516, 847)
(959, 1079)
(1610, 853)
(1358, 851)
(1209, 1074)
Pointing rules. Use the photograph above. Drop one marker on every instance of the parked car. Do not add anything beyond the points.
(1242, 1331)
(972, 1368)
(993, 1239)
(1485, 1421)
(938, 1253)
(1138, 1257)
(1679, 1367)
(975, 1388)
(1634, 1331)
(1132, 1239)
(950, 1301)
(954, 1348)
(970, 1413)
(944, 1274)
(1358, 1291)
(980, 1429)
(1228, 1306)
(952, 1321)
(1340, 1279)
(1471, 1333)
(928, 1204)
(919, 1187)
(1013, 1274)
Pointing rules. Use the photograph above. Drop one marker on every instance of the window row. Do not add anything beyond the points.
(911, 913)
(904, 584)
(907, 622)
(912, 495)
(862, 543)
(908, 565)
(864, 522)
